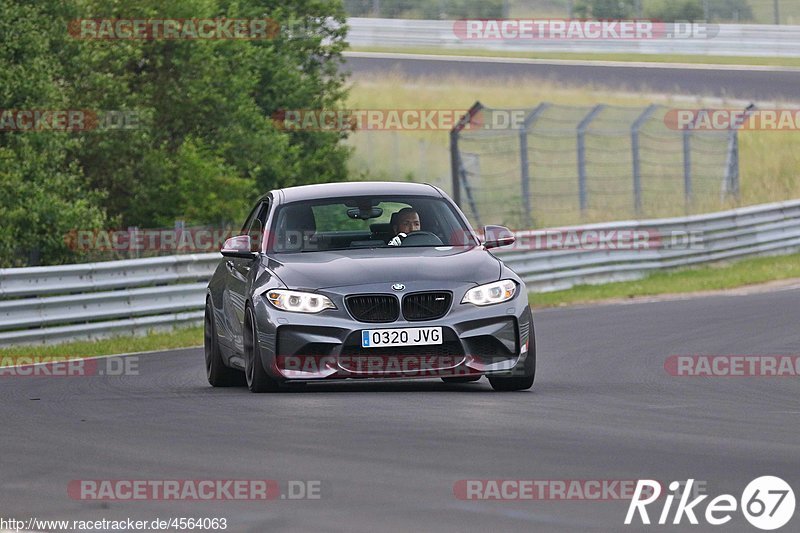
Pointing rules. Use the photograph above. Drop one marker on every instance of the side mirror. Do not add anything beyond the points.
(238, 246)
(496, 236)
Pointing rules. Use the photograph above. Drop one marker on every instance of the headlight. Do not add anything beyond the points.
(491, 293)
(298, 301)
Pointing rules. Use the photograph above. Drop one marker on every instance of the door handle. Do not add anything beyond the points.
(229, 264)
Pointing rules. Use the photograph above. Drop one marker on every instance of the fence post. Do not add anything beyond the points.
(687, 168)
(687, 158)
(732, 167)
(582, 127)
(455, 163)
(527, 221)
(731, 184)
(777, 12)
(476, 163)
(455, 159)
(637, 170)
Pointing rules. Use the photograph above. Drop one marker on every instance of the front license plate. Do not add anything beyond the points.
(376, 338)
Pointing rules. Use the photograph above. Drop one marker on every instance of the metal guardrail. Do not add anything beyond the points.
(763, 229)
(69, 302)
(91, 300)
(732, 39)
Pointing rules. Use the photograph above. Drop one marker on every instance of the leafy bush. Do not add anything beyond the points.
(605, 9)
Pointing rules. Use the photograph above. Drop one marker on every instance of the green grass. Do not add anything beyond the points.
(179, 338)
(718, 276)
(590, 56)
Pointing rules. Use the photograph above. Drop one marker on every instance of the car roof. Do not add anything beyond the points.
(355, 188)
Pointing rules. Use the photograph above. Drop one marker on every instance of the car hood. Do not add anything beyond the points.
(320, 270)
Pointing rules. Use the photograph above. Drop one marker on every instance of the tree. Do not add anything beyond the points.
(676, 10)
(212, 101)
(43, 194)
(605, 9)
(204, 144)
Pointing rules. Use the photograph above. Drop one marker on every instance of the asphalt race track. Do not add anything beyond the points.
(388, 454)
(781, 84)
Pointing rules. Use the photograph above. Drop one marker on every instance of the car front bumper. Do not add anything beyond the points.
(489, 340)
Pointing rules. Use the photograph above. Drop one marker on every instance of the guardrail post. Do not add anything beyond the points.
(582, 127)
(527, 221)
(637, 170)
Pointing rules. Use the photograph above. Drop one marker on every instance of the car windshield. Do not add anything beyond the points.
(367, 222)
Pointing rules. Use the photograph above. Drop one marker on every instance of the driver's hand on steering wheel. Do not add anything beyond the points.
(398, 239)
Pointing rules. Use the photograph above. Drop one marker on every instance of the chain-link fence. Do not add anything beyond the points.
(741, 11)
(557, 164)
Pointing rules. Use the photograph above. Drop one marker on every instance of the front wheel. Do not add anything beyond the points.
(257, 378)
(525, 381)
(217, 373)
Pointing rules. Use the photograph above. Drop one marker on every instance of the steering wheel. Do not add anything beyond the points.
(422, 238)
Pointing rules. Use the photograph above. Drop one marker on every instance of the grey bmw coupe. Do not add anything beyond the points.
(365, 280)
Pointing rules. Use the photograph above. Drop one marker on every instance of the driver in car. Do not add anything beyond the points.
(405, 221)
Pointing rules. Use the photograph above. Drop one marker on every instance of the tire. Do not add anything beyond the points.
(461, 379)
(525, 381)
(257, 378)
(218, 374)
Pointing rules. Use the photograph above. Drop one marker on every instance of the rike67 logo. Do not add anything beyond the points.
(767, 503)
